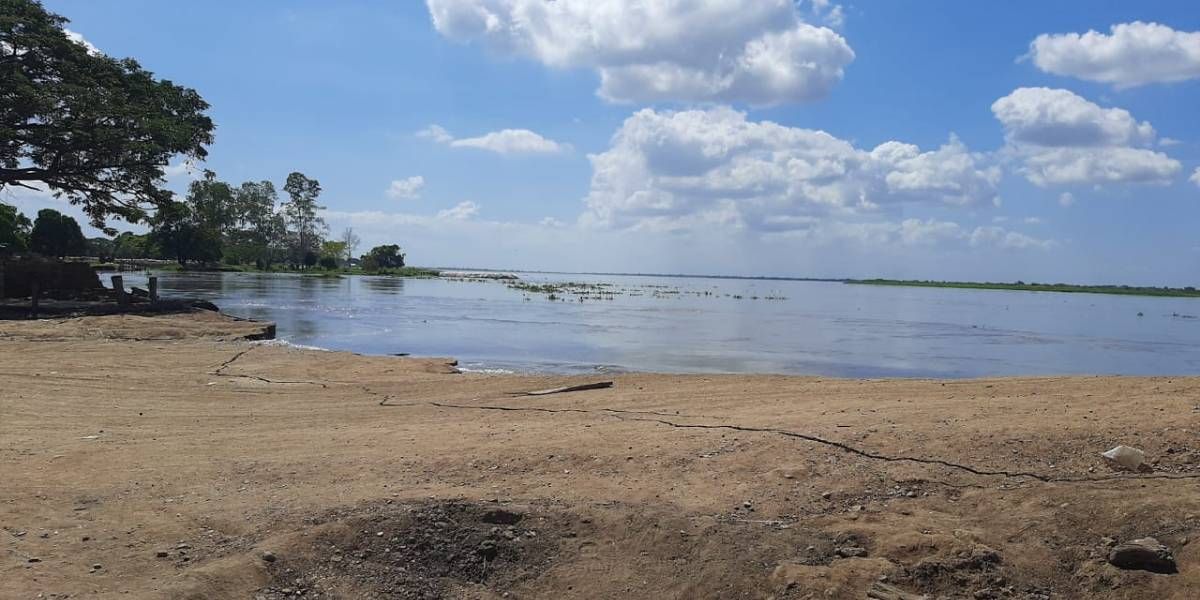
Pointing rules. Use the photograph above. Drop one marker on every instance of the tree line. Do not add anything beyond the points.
(214, 223)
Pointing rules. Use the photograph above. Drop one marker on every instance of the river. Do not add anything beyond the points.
(712, 325)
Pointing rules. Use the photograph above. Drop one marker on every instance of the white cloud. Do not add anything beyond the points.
(79, 39)
(1034, 221)
(1132, 54)
(1195, 178)
(1055, 117)
(408, 188)
(551, 222)
(436, 133)
(460, 212)
(1166, 141)
(505, 141)
(1003, 238)
(828, 13)
(1065, 139)
(512, 141)
(1058, 166)
(664, 50)
(1066, 199)
(678, 170)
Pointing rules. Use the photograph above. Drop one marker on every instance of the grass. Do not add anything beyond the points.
(1125, 290)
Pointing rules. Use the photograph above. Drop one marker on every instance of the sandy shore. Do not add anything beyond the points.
(160, 457)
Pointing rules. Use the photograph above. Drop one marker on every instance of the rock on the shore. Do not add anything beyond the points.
(1146, 554)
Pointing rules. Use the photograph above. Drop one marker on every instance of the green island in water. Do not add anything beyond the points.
(1126, 290)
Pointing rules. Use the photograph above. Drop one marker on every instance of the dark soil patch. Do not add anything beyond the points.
(425, 551)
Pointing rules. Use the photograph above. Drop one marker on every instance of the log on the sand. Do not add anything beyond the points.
(599, 385)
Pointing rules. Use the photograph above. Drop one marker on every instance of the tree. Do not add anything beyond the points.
(178, 234)
(56, 234)
(301, 213)
(334, 251)
(350, 243)
(101, 248)
(14, 229)
(131, 245)
(259, 233)
(95, 130)
(212, 203)
(383, 257)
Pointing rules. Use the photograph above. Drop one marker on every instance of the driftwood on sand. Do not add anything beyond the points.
(599, 385)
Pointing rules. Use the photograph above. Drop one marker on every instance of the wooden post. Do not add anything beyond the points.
(119, 289)
(33, 299)
(153, 286)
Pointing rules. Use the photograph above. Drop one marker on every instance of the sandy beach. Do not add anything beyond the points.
(164, 457)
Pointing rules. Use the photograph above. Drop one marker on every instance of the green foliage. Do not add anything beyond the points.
(1124, 290)
(101, 248)
(300, 212)
(328, 262)
(56, 234)
(212, 203)
(383, 257)
(130, 245)
(96, 130)
(14, 229)
(178, 233)
(335, 251)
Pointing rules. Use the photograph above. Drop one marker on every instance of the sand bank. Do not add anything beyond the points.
(161, 457)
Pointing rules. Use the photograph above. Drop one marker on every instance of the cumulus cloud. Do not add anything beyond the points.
(1055, 117)
(912, 233)
(759, 52)
(505, 141)
(459, 212)
(1195, 178)
(1131, 54)
(678, 170)
(1066, 199)
(1063, 138)
(1003, 238)
(408, 188)
(1061, 166)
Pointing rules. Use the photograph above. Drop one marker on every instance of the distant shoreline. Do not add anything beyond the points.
(1118, 290)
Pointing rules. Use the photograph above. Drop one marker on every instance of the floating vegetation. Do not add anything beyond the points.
(577, 291)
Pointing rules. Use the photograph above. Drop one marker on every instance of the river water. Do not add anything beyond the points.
(703, 325)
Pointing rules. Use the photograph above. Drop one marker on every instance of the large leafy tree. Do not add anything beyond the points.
(257, 233)
(301, 213)
(14, 229)
(56, 234)
(96, 130)
(383, 257)
(178, 234)
(212, 202)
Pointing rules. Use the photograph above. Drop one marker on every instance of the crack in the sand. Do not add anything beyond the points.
(220, 372)
(619, 414)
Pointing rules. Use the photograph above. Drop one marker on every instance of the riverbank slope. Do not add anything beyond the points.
(156, 458)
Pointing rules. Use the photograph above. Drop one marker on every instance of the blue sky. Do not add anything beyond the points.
(710, 136)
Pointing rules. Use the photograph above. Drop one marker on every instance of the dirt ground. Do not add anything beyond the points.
(161, 457)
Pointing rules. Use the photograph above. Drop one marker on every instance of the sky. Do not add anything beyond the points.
(1001, 141)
